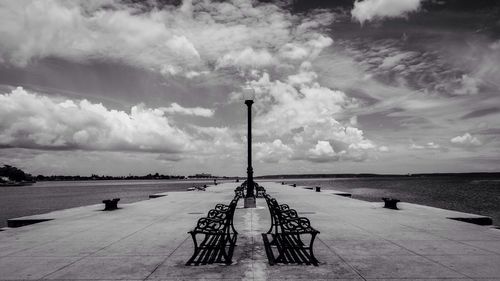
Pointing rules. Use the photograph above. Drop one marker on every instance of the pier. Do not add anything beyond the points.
(148, 240)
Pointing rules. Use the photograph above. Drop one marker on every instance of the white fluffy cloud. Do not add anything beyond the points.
(187, 40)
(247, 58)
(369, 10)
(273, 152)
(322, 152)
(196, 111)
(429, 145)
(466, 140)
(34, 121)
(302, 112)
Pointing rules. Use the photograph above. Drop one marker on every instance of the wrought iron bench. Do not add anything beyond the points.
(292, 235)
(238, 191)
(261, 191)
(218, 236)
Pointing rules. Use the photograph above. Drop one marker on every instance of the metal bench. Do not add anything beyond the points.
(238, 191)
(218, 236)
(260, 190)
(292, 236)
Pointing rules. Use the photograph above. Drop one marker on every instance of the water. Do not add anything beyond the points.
(43, 197)
(470, 194)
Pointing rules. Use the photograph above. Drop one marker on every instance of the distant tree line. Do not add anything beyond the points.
(14, 174)
(155, 176)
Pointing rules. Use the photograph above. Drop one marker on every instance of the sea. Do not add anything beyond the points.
(47, 196)
(465, 193)
(470, 194)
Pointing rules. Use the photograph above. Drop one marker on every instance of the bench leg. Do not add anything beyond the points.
(311, 249)
(196, 249)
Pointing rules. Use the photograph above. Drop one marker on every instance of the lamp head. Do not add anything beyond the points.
(248, 94)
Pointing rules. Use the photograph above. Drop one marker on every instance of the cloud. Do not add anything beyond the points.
(196, 111)
(369, 10)
(294, 51)
(467, 86)
(301, 113)
(193, 38)
(322, 152)
(383, 148)
(429, 145)
(273, 152)
(247, 58)
(394, 60)
(34, 121)
(466, 140)
(216, 141)
(495, 45)
(481, 112)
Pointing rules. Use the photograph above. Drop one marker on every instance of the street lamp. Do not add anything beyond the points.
(249, 95)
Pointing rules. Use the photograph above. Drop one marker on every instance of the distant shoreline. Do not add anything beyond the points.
(368, 175)
(286, 176)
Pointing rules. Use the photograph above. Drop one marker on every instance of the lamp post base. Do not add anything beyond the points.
(250, 202)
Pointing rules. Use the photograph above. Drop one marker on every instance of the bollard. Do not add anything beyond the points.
(111, 204)
(282, 183)
(390, 203)
(318, 188)
(294, 185)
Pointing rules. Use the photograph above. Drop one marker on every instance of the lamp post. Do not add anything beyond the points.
(250, 195)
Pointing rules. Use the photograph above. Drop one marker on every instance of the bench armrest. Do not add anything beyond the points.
(221, 207)
(284, 207)
(217, 214)
(298, 225)
(289, 214)
(208, 225)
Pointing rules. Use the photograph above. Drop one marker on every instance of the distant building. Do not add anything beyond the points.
(202, 175)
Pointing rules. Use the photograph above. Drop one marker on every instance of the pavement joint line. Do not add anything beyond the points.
(178, 246)
(457, 241)
(392, 242)
(477, 247)
(253, 243)
(42, 244)
(342, 259)
(164, 260)
(393, 233)
(114, 242)
(429, 259)
(413, 252)
(92, 214)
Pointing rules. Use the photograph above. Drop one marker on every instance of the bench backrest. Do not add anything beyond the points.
(274, 208)
(218, 219)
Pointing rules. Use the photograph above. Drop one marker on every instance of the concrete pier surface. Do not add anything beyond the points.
(148, 240)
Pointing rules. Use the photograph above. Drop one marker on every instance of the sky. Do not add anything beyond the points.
(119, 87)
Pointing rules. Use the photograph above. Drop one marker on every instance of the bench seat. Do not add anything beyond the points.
(289, 250)
(292, 236)
(217, 235)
